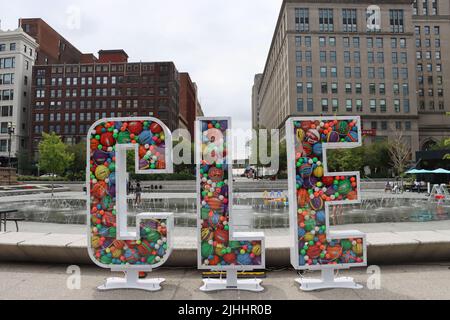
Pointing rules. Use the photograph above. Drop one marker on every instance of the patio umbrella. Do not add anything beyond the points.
(441, 171)
(415, 171)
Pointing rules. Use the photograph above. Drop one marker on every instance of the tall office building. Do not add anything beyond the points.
(69, 98)
(255, 101)
(17, 56)
(431, 20)
(340, 57)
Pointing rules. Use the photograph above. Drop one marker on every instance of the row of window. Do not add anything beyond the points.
(425, 7)
(7, 63)
(350, 88)
(104, 104)
(7, 78)
(384, 125)
(74, 81)
(148, 67)
(428, 55)
(427, 30)
(349, 19)
(427, 43)
(354, 72)
(348, 42)
(12, 47)
(372, 57)
(431, 105)
(7, 95)
(6, 111)
(352, 105)
(102, 92)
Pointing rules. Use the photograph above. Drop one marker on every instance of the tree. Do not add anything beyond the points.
(447, 144)
(54, 156)
(400, 152)
(78, 169)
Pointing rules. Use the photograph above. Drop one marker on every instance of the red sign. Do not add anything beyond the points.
(369, 133)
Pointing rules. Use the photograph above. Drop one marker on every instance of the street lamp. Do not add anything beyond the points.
(11, 130)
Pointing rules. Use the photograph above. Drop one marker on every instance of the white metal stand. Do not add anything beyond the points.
(231, 282)
(328, 281)
(132, 281)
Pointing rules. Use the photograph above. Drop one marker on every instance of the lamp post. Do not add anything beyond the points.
(11, 130)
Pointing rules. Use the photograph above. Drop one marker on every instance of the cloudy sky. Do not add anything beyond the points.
(222, 44)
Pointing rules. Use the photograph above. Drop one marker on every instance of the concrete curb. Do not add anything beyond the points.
(383, 248)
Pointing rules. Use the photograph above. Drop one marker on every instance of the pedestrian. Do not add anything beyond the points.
(138, 192)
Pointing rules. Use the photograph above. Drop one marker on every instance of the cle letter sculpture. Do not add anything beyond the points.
(220, 248)
(111, 243)
(313, 190)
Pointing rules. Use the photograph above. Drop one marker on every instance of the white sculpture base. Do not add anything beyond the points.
(132, 281)
(328, 281)
(232, 283)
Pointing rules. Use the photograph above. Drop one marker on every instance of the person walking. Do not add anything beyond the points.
(138, 192)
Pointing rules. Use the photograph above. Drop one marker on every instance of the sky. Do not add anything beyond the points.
(222, 44)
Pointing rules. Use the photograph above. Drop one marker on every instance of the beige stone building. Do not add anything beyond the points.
(344, 57)
(431, 20)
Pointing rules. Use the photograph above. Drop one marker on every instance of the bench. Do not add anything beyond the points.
(4, 219)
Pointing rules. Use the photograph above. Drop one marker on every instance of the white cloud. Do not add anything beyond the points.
(222, 44)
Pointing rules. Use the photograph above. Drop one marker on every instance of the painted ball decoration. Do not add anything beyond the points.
(100, 157)
(307, 149)
(107, 139)
(146, 137)
(207, 249)
(230, 258)
(305, 170)
(102, 172)
(316, 204)
(99, 190)
(124, 137)
(155, 128)
(216, 174)
(343, 128)
(207, 234)
(318, 149)
(345, 186)
(352, 136)
(221, 236)
(318, 172)
(333, 137)
(244, 259)
(135, 127)
(312, 136)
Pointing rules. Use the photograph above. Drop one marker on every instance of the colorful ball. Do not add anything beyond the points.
(102, 172)
(333, 137)
(312, 136)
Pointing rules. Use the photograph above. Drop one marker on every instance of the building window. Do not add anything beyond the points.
(324, 105)
(308, 56)
(397, 21)
(349, 22)
(334, 88)
(326, 21)
(383, 106)
(7, 63)
(302, 19)
(348, 88)
(349, 105)
(310, 105)
(335, 105)
(299, 87)
(324, 87)
(373, 105)
(300, 107)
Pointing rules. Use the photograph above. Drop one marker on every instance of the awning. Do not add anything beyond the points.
(422, 171)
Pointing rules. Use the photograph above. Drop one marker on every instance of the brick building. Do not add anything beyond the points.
(188, 103)
(53, 47)
(67, 99)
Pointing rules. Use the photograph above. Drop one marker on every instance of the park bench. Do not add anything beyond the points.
(4, 219)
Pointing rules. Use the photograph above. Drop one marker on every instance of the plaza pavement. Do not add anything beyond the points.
(49, 282)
